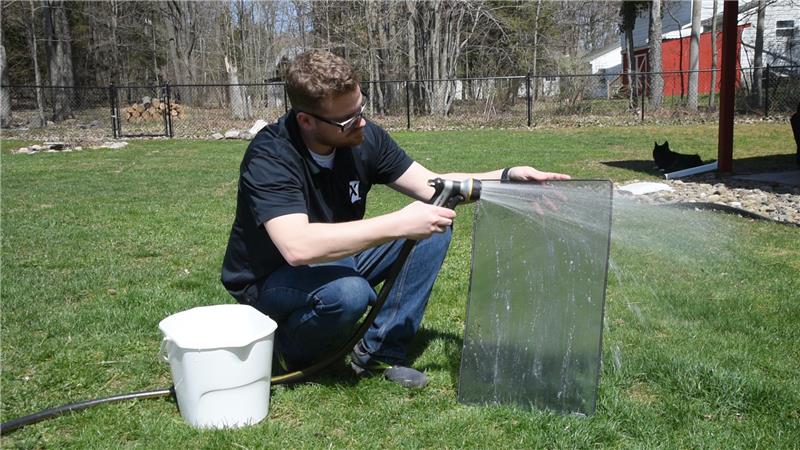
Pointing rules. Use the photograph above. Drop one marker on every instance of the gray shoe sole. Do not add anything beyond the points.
(406, 377)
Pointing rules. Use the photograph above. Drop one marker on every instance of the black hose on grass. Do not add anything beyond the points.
(730, 210)
(13, 424)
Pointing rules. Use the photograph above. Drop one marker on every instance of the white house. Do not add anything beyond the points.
(607, 63)
(781, 33)
(781, 28)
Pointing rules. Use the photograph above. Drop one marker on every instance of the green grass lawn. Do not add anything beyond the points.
(700, 349)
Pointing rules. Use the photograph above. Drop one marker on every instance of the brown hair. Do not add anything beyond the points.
(316, 75)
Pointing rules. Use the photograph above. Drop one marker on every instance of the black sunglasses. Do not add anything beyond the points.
(348, 124)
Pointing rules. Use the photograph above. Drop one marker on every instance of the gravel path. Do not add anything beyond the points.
(778, 202)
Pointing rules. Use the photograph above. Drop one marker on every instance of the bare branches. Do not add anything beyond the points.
(185, 42)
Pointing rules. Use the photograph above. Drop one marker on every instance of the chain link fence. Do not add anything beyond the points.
(52, 113)
(200, 111)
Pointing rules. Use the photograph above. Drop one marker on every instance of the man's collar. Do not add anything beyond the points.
(297, 141)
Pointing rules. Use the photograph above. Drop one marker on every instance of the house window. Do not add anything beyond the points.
(784, 28)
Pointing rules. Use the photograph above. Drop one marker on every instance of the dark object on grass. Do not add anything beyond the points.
(11, 425)
(795, 121)
(668, 161)
(730, 210)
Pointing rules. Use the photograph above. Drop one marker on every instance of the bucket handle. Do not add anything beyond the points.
(162, 352)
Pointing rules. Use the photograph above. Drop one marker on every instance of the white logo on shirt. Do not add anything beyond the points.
(354, 197)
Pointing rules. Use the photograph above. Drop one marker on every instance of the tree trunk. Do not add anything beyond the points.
(181, 22)
(628, 12)
(412, 53)
(382, 53)
(656, 78)
(373, 23)
(59, 57)
(240, 108)
(299, 7)
(35, 56)
(631, 68)
(452, 51)
(759, 51)
(115, 60)
(535, 54)
(392, 59)
(177, 73)
(680, 55)
(711, 104)
(435, 100)
(443, 23)
(694, 54)
(5, 100)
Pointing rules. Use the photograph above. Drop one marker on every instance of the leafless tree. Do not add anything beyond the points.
(239, 101)
(34, 49)
(694, 54)
(759, 50)
(58, 42)
(444, 30)
(190, 42)
(713, 55)
(5, 100)
(629, 10)
(656, 78)
(182, 23)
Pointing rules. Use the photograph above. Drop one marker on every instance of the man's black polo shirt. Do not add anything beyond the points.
(278, 176)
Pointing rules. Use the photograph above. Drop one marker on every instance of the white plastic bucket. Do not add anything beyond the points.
(221, 361)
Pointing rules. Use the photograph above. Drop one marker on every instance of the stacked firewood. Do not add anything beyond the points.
(151, 109)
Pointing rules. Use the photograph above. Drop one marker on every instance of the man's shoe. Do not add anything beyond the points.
(364, 364)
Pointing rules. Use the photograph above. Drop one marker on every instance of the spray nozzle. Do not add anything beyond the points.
(450, 193)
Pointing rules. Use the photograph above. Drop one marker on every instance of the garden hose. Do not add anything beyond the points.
(13, 424)
(448, 193)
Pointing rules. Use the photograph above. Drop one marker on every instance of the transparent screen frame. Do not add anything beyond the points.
(533, 334)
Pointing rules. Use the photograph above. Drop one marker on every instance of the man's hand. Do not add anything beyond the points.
(527, 173)
(420, 220)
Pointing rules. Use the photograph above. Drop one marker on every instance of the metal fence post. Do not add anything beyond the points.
(112, 97)
(528, 96)
(169, 109)
(162, 96)
(285, 99)
(408, 105)
(642, 94)
(766, 92)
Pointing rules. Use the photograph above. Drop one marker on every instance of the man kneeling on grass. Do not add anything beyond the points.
(300, 249)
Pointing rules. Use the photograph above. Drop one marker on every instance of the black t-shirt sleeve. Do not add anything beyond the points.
(390, 161)
(272, 187)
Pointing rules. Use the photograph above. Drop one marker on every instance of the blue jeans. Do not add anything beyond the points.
(317, 307)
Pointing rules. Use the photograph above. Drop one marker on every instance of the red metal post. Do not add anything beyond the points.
(727, 91)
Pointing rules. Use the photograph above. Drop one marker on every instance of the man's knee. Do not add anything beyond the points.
(346, 299)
